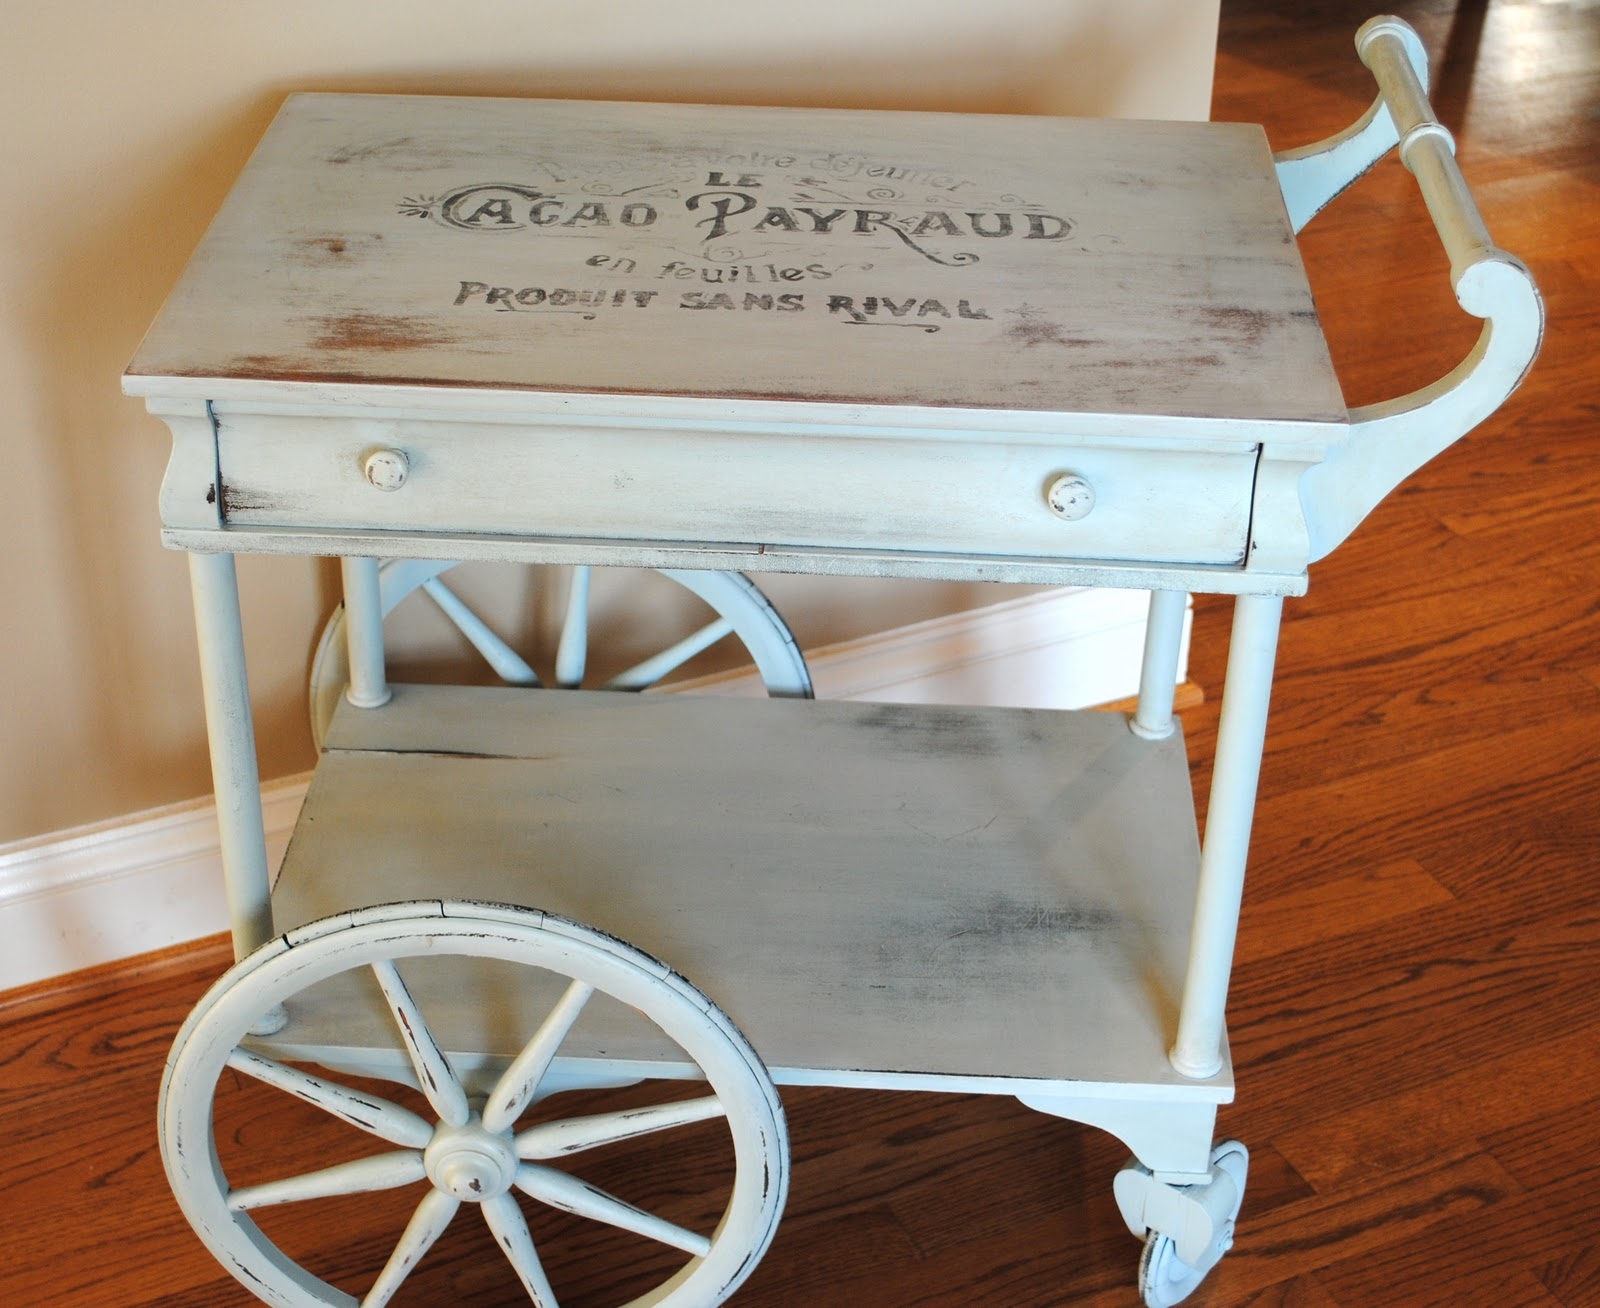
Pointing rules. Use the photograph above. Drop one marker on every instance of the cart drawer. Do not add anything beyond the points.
(964, 495)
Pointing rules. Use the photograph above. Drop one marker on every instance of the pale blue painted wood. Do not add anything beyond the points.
(1198, 1051)
(896, 457)
(1158, 674)
(230, 728)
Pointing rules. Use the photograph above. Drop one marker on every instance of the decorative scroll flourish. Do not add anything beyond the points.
(961, 260)
(930, 328)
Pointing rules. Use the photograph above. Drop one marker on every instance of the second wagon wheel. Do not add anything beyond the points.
(470, 1132)
(739, 609)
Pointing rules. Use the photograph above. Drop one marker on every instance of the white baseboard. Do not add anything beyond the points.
(1069, 648)
(76, 899)
(134, 884)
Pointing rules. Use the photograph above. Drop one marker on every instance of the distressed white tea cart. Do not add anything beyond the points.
(716, 342)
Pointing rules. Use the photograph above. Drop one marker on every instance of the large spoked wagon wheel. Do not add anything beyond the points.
(469, 1140)
(739, 610)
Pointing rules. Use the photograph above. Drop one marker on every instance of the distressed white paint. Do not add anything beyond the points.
(1194, 1219)
(150, 880)
(1171, 1139)
(846, 878)
(983, 496)
(1389, 441)
(740, 607)
(1312, 175)
(1165, 631)
(572, 652)
(807, 436)
(231, 731)
(389, 221)
(1187, 1228)
(764, 466)
(991, 874)
(1201, 1049)
(366, 682)
(467, 1158)
(1216, 579)
(1067, 649)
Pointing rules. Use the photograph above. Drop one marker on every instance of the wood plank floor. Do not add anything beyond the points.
(1416, 1015)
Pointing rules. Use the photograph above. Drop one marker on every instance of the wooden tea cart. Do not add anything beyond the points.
(717, 342)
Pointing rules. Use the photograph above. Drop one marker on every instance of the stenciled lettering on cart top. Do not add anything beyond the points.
(738, 204)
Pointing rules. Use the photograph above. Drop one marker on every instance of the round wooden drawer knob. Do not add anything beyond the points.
(387, 469)
(1070, 497)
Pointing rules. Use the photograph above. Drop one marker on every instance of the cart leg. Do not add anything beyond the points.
(363, 624)
(1163, 638)
(226, 688)
(1240, 738)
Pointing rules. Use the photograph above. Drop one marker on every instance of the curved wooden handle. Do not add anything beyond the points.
(1312, 175)
(1389, 441)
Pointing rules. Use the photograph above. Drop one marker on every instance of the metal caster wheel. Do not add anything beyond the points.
(741, 610)
(1186, 1229)
(465, 1141)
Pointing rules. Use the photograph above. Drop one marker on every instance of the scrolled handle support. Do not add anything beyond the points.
(1389, 441)
(1312, 175)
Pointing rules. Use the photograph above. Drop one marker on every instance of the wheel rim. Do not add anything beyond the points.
(1165, 1280)
(742, 611)
(463, 1153)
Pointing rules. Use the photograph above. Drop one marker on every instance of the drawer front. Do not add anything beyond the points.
(964, 496)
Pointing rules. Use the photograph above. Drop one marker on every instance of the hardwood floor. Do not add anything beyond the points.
(1416, 1012)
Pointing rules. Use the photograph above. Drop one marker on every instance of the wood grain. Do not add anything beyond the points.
(380, 214)
(1416, 1014)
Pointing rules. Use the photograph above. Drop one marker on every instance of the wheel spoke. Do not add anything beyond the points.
(670, 659)
(575, 1134)
(437, 1079)
(426, 1225)
(572, 651)
(508, 665)
(510, 1229)
(520, 1082)
(491, 1133)
(572, 1195)
(364, 1175)
(375, 1116)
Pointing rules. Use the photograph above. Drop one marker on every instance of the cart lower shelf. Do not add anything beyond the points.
(958, 898)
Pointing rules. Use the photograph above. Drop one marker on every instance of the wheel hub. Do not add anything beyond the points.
(471, 1162)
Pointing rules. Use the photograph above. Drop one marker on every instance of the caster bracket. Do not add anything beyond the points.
(1197, 1219)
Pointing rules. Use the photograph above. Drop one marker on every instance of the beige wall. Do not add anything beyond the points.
(124, 125)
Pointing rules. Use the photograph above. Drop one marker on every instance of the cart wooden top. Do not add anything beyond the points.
(996, 263)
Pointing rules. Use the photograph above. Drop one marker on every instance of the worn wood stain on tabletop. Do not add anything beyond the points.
(807, 255)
